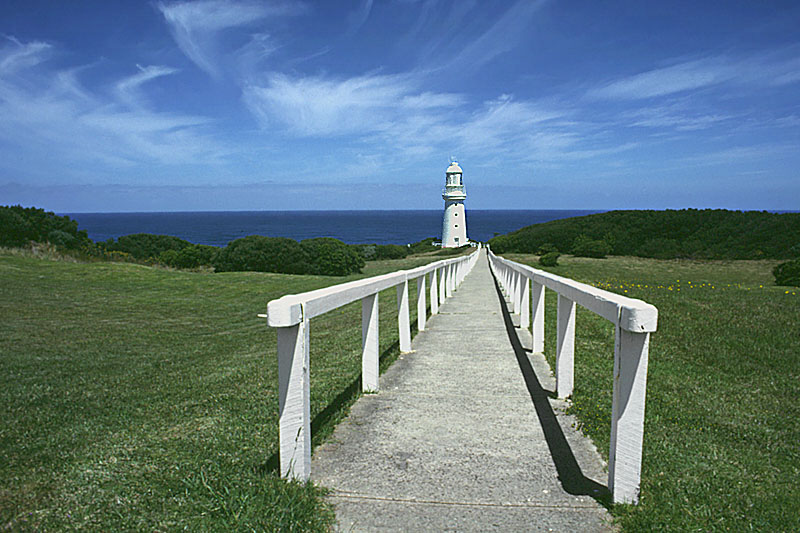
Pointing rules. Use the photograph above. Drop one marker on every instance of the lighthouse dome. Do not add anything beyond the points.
(454, 168)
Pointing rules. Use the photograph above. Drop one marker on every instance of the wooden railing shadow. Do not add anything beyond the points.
(569, 471)
(325, 421)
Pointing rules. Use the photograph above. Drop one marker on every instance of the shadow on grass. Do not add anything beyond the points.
(323, 424)
(569, 471)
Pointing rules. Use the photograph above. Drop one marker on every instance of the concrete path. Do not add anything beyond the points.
(463, 435)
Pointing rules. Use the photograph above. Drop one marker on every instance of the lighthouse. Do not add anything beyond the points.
(454, 227)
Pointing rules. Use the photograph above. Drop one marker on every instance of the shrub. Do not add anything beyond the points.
(146, 245)
(331, 257)
(366, 251)
(423, 246)
(390, 251)
(787, 273)
(263, 254)
(549, 259)
(193, 256)
(547, 248)
(586, 247)
(20, 225)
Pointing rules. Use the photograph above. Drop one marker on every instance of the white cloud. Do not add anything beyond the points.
(197, 25)
(48, 115)
(775, 68)
(316, 106)
(18, 56)
(128, 88)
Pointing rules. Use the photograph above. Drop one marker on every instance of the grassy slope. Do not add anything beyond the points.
(722, 429)
(137, 398)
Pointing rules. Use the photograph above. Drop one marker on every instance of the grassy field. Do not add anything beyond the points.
(722, 427)
(140, 398)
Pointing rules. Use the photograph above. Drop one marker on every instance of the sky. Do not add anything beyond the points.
(113, 105)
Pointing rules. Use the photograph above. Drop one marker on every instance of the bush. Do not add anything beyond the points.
(146, 245)
(586, 247)
(549, 259)
(193, 256)
(257, 253)
(423, 246)
(547, 248)
(390, 251)
(331, 257)
(21, 225)
(366, 251)
(323, 256)
(787, 273)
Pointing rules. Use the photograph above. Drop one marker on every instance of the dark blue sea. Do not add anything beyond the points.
(218, 228)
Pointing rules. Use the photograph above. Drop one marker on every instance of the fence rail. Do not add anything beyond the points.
(633, 321)
(290, 315)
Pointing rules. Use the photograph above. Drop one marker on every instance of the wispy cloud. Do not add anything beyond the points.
(501, 37)
(48, 114)
(316, 106)
(128, 89)
(775, 68)
(196, 26)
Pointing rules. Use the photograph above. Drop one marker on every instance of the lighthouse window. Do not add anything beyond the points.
(455, 214)
(456, 225)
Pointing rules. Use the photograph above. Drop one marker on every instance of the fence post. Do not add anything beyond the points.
(525, 304)
(538, 318)
(442, 284)
(515, 293)
(422, 306)
(434, 294)
(403, 322)
(627, 415)
(565, 346)
(370, 343)
(294, 400)
(448, 286)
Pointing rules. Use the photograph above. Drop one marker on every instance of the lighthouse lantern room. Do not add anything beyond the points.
(454, 228)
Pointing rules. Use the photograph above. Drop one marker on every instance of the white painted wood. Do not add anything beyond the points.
(442, 285)
(403, 320)
(525, 305)
(516, 294)
(434, 294)
(537, 330)
(370, 343)
(627, 415)
(422, 304)
(448, 286)
(565, 347)
(294, 400)
(631, 314)
(633, 320)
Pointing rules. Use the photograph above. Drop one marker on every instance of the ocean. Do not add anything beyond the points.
(218, 228)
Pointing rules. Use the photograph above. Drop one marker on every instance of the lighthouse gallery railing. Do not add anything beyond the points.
(633, 321)
(291, 314)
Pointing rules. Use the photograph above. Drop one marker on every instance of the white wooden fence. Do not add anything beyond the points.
(633, 320)
(291, 314)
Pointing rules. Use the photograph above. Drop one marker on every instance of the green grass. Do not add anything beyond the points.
(141, 398)
(722, 424)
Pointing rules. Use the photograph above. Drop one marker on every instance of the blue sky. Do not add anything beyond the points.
(248, 105)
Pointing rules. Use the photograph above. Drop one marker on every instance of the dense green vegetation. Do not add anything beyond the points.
(722, 426)
(20, 225)
(787, 273)
(687, 233)
(136, 398)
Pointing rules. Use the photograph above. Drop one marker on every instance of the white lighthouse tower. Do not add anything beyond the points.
(454, 228)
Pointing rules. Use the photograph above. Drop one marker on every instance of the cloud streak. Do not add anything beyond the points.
(196, 26)
(48, 115)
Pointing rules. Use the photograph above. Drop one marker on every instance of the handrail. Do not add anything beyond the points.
(633, 321)
(290, 315)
